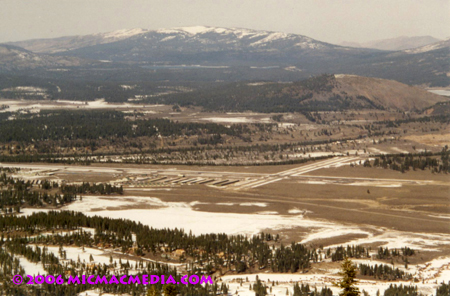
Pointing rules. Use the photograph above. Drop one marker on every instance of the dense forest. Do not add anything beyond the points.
(94, 125)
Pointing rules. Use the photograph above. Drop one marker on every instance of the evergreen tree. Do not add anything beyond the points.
(348, 282)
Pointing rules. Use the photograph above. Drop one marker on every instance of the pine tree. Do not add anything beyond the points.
(348, 282)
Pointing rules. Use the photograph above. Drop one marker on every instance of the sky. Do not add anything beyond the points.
(332, 21)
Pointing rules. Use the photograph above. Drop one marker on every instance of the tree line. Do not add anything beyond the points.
(405, 162)
(16, 193)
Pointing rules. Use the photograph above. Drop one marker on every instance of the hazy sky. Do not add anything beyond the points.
(327, 20)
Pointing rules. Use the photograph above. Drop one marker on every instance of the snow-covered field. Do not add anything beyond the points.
(31, 268)
(73, 253)
(160, 214)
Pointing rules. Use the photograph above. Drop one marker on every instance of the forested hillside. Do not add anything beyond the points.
(320, 93)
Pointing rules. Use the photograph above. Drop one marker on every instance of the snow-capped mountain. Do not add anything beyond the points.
(234, 37)
(199, 45)
(247, 51)
(121, 34)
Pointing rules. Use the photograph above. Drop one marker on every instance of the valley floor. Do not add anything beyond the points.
(322, 204)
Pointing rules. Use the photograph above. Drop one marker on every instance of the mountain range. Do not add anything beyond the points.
(395, 44)
(236, 48)
(201, 45)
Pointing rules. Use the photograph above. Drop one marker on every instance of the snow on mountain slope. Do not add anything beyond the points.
(199, 30)
(122, 34)
(220, 38)
(430, 47)
(251, 38)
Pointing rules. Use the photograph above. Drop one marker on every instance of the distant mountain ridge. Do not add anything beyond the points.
(66, 43)
(16, 58)
(444, 44)
(256, 38)
(245, 50)
(197, 44)
(222, 36)
(395, 44)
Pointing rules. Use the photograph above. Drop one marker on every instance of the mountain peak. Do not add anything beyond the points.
(194, 30)
(198, 30)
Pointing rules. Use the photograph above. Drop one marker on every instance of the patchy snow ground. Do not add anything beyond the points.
(160, 214)
(237, 119)
(394, 239)
(298, 211)
(97, 293)
(376, 151)
(314, 154)
(182, 215)
(282, 282)
(396, 149)
(430, 275)
(73, 253)
(36, 106)
(256, 204)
